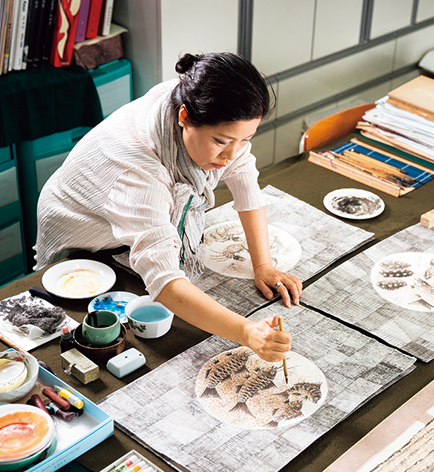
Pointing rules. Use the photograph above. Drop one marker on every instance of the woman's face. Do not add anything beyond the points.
(213, 147)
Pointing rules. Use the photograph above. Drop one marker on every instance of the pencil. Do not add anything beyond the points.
(285, 367)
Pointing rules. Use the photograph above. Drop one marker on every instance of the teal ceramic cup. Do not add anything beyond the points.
(101, 327)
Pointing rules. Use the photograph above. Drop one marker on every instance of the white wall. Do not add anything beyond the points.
(310, 49)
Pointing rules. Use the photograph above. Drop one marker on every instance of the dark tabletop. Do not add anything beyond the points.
(310, 183)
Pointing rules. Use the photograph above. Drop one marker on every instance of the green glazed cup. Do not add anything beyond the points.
(101, 327)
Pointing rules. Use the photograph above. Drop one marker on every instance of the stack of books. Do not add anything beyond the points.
(33, 32)
(374, 167)
(404, 119)
(403, 123)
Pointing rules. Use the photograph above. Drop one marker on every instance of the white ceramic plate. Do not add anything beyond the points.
(353, 203)
(80, 278)
(112, 301)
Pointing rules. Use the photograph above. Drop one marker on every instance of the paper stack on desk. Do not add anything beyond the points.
(404, 118)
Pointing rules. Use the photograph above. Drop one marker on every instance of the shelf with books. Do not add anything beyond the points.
(34, 32)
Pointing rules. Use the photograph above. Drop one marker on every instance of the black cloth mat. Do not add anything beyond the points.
(44, 100)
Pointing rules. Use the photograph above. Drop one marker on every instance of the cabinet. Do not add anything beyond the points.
(12, 247)
(37, 160)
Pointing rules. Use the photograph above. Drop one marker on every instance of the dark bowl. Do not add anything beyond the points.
(100, 353)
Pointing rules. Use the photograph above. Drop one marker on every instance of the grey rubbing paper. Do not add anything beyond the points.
(162, 411)
(323, 240)
(387, 290)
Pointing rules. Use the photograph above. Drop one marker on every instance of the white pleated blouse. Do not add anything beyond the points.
(112, 191)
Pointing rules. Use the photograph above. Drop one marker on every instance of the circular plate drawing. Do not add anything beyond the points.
(406, 279)
(354, 203)
(239, 388)
(226, 251)
(112, 301)
(79, 278)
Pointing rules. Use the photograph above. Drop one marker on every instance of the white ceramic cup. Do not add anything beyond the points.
(148, 319)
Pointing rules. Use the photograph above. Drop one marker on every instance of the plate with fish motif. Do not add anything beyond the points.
(226, 251)
(112, 301)
(79, 278)
(406, 279)
(239, 388)
(354, 203)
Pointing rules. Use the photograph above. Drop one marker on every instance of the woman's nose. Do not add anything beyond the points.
(230, 153)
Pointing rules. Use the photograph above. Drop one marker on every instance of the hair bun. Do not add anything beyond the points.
(186, 62)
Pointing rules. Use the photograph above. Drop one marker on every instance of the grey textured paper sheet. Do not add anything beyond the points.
(162, 411)
(323, 240)
(387, 290)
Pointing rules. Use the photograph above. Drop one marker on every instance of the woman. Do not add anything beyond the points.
(144, 177)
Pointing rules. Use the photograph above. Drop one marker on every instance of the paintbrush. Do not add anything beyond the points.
(10, 343)
(378, 174)
(285, 367)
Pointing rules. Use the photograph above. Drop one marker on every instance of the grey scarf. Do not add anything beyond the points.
(193, 189)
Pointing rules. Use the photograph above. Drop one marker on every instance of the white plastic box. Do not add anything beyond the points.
(83, 433)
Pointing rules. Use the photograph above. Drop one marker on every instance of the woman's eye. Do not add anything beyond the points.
(220, 142)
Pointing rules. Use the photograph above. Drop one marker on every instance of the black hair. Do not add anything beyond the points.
(219, 88)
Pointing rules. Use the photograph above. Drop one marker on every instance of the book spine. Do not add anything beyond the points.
(83, 16)
(33, 17)
(64, 33)
(22, 22)
(26, 36)
(3, 32)
(14, 33)
(8, 32)
(106, 18)
(94, 18)
(37, 55)
(48, 36)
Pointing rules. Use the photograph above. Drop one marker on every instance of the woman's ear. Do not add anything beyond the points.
(182, 116)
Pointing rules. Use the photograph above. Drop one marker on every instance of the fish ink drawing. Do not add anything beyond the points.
(239, 388)
(406, 279)
(259, 379)
(226, 251)
(221, 369)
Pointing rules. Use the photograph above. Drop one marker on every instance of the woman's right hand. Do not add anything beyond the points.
(269, 343)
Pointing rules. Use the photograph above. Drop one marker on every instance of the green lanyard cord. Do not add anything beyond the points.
(181, 230)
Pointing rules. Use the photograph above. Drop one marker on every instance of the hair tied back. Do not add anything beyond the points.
(186, 62)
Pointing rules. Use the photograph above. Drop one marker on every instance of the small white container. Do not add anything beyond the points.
(32, 366)
(148, 319)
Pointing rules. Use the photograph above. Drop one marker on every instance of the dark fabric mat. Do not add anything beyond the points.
(44, 100)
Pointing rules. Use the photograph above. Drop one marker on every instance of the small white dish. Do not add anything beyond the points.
(112, 301)
(148, 319)
(78, 279)
(354, 203)
(12, 375)
(32, 372)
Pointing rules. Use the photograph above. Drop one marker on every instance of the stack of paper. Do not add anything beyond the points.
(405, 118)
